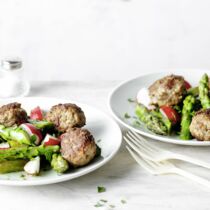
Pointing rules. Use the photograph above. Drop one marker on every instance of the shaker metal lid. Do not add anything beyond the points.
(11, 63)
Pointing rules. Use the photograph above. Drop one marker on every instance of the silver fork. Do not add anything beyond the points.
(153, 153)
(165, 167)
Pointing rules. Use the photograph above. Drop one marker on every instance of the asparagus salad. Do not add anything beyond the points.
(42, 141)
(171, 106)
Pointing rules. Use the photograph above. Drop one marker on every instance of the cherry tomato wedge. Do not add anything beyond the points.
(50, 140)
(36, 114)
(187, 85)
(170, 113)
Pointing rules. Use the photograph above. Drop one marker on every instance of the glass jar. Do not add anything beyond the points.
(12, 80)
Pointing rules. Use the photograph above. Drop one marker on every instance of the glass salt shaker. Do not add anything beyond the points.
(12, 80)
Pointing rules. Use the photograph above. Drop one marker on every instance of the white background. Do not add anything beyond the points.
(105, 39)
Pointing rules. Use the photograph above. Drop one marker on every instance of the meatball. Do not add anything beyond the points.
(12, 114)
(167, 91)
(78, 146)
(200, 125)
(65, 116)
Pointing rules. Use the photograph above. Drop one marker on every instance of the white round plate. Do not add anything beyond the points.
(119, 105)
(105, 131)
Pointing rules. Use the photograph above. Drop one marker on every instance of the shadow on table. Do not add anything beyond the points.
(112, 174)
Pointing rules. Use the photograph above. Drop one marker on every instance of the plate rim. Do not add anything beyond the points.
(147, 134)
(58, 179)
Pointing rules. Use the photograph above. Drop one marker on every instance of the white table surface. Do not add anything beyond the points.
(122, 177)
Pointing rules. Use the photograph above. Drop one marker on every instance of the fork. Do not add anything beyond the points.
(153, 153)
(165, 167)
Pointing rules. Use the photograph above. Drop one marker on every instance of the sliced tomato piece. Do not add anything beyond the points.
(170, 113)
(50, 140)
(36, 114)
(187, 85)
(32, 131)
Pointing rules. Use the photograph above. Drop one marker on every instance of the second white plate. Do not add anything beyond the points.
(119, 105)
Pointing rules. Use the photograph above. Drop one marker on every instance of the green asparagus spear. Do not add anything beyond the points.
(45, 127)
(193, 91)
(28, 152)
(14, 143)
(48, 151)
(16, 134)
(187, 113)
(166, 121)
(41, 124)
(59, 164)
(204, 91)
(151, 121)
(7, 166)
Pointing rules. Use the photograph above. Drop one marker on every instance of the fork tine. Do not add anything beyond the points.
(140, 147)
(152, 164)
(140, 143)
(135, 140)
(143, 153)
(140, 151)
(131, 144)
(140, 161)
(139, 137)
(135, 137)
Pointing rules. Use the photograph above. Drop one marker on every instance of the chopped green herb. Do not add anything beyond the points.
(99, 140)
(178, 108)
(101, 189)
(22, 175)
(123, 201)
(136, 123)
(98, 204)
(131, 100)
(127, 116)
(112, 206)
(104, 201)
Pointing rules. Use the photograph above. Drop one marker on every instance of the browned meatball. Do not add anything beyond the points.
(12, 114)
(200, 125)
(65, 116)
(78, 146)
(167, 91)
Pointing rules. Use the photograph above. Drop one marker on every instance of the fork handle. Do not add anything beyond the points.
(192, 160)
(193, 177)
